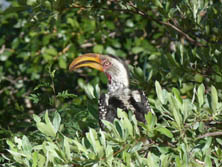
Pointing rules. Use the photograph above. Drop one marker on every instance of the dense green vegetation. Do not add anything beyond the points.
(49, 116)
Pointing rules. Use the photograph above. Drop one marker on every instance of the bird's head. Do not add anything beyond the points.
(114, 68)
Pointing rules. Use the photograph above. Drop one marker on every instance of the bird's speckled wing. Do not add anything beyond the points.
(106, 112)
(140, 103)
(135, 101)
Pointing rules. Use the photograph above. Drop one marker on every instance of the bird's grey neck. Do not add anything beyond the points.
(115, 86)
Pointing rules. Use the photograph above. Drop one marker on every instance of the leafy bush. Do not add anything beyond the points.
(177, 43)
(181, 139)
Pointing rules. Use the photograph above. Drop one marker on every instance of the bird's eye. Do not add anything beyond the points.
(106, 63)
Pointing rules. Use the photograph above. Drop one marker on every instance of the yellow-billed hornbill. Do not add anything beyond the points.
(119, 95)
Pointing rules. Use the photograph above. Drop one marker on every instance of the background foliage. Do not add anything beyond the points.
(177, 43)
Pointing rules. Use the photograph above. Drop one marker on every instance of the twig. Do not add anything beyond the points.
(167, 24)
(210, 134)
(117, 152)
(142, 13)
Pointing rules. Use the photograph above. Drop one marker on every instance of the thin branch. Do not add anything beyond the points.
(210, 134)
(167, 24)
(142, 13)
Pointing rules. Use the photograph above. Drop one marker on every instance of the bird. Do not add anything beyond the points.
(119, 94)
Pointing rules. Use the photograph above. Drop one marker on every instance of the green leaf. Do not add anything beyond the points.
(177, 117)
(139, 71)
(80, 147)
(214, 98)
(35, 159)
(73, 22)
(165, 131)
(51, 51)
(34, 98)
(159, 92)
(175, 110)
(151, 120)
(42, 127)
(109, 155)
(98, 49)
(49, 125)
(207, 161)
(89, 91)
(67, 148)
(177, 95)
(36, 118)
(110, 50)
(64, 94)
(27, 147)
(157, 3)
(129, 23)
(137, 50)
(62, 62)
(126, 124)
(200, 94)
(93, 139)
(198, 78)
(111, 128)
(207, 145)
(47, 128)
(56, 121)
(151, 160)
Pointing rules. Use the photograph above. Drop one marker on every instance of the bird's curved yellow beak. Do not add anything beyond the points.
(87, 60)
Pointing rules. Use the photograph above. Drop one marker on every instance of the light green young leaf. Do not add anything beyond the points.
(35, 159)
(51, 152)
(56, 121)
(98, 49)
(200, 94)
(62, 62)
(111, 127)
(16, 155)
(67, 148)
(89, 91)
(151, 161)
(176, 112)
(137, 50)
(81, 148)
(214, 98)
(158, 3)
(177, 95)
(102, 138)
(41, 160)
(36, 118)
(165, 160)
(49, 125)
(207, 161)
(27, 147)
(34, 98)
(93, 139)
(136, 147)
(97, 88)
(42, 127)
(18, 141)
(159, 92)
(125, 121)
(151, 120)
(64, 94)
(206, 147)
(109, 155)
(177, 117)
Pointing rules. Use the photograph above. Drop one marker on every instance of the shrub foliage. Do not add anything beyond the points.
(49, 116)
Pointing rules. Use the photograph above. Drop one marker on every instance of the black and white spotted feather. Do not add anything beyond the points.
(125, 99)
